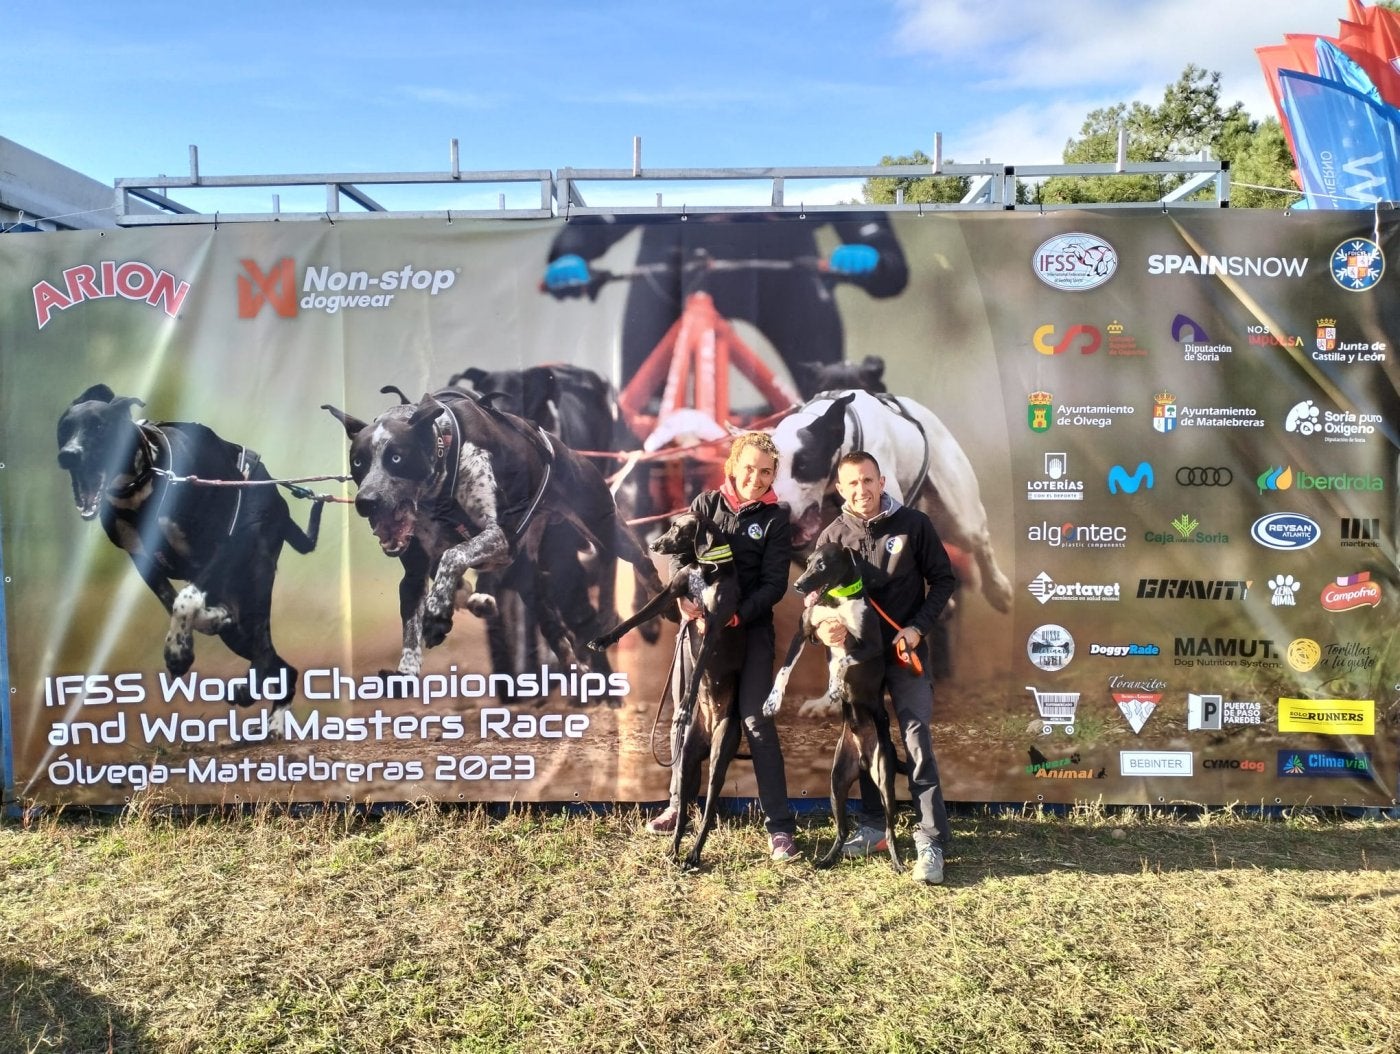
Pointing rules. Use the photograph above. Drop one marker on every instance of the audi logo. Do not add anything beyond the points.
(1194, 476)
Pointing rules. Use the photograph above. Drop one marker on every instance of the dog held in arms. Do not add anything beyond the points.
(450, 485)
(707, 713)
(832, 584)
(222, 541)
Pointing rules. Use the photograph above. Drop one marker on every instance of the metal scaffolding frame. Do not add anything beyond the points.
(147, 201)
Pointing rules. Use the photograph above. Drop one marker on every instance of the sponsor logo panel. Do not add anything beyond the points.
(1156, 763)
(1323, 763)
(1285, 531)
(1075, 262)
(1357, 264)
(129, 280)
(1206, 712)
(1328, 717)
(1056, 483)
(1351, 592)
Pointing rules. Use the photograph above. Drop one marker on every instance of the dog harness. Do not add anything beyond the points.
(890, 402)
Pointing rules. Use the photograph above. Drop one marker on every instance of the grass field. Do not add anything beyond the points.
(433, 930)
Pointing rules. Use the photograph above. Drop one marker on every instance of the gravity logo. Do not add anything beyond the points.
(328, 291)
(131, 280)
(1357, 264)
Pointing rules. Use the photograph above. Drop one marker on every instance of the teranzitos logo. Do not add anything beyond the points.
(132, 280)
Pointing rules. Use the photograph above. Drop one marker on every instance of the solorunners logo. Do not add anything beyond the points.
(328, 291)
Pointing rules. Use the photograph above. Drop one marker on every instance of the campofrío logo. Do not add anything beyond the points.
(130, 280)
(1075, 262)
(1351, 592)
(1357, 264)
(1285, 531)
(330, 291)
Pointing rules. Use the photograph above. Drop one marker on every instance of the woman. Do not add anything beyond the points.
(760, 535)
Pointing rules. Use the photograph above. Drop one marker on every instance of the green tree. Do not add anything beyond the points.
(1189, 122)
(918, 190)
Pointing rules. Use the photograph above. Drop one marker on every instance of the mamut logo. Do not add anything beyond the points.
(1350, 592)
(132, 280)
(330, 291)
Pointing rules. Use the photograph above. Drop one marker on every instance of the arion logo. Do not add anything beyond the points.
(132, 280)
(1075, 262)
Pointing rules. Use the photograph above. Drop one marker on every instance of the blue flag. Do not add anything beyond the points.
(1334, 64)
(1346, 145)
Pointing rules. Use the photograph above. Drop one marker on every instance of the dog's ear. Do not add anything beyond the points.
(394, 389)
(872, 371)
(126, 402)
(98, 393)
(819, 442)
(427, 412)
(353, 425)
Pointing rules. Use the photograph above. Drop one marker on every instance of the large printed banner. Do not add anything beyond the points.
(1161, 450)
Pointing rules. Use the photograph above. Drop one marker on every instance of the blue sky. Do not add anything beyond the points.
(114, 90)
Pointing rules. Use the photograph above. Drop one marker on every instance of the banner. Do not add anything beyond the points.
(1347, 145)
(1161, 450)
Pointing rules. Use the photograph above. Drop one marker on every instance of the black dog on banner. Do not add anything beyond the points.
(707, 713)
(223, 541)
(834, 589)
(451, 485)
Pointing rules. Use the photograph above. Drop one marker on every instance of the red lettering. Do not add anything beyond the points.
(47, 299)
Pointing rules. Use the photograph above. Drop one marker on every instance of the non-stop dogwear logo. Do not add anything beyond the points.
(131, 280)
(329, 291)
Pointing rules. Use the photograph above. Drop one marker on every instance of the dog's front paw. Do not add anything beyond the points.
(772, 704)
(820, 707)
(179, 653)
(482, 605)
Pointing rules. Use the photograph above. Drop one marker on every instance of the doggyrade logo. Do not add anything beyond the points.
(1075, 262)
(1204, 476)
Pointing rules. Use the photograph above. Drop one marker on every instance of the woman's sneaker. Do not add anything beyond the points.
(783, 848)
(663, 822)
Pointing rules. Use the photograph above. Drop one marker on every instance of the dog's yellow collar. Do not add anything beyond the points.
(716, 554)
(841, 592)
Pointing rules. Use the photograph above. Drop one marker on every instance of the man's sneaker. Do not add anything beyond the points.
(663, 822)
(782, 847)
(929, 867)
(865, 840)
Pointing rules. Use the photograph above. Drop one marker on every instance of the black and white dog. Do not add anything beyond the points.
(222, 541)
(707, 713)
(832, 584)
(450, 485)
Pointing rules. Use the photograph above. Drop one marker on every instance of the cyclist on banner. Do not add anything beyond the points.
(792, 306)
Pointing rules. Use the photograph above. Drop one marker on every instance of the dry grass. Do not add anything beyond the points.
(430, 930)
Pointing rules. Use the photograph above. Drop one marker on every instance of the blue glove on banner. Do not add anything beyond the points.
(565, 273)
(854, 259)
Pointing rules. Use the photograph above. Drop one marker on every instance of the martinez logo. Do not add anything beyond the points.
(1360, 533)
(1285, 531)
(1357, 264)
(1087, 338)
(1351, 592)
(1323, 763)
(331, 291)
(132, 280)
(1328, 717)
(1120, 480)
(1075, 262)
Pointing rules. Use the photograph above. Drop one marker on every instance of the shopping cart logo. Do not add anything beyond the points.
(1056, 709)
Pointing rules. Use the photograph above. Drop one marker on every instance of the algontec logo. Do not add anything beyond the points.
(131, 280)
(328, 291)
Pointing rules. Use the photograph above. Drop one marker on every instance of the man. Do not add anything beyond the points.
(907, 573)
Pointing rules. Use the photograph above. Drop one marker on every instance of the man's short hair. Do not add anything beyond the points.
(859, 457)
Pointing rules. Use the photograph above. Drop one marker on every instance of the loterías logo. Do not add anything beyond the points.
(131, 280)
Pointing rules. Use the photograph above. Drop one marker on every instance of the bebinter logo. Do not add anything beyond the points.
(331, 291)
(131, 280)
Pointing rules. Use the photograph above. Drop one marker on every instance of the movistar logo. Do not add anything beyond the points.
(1120, 480)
